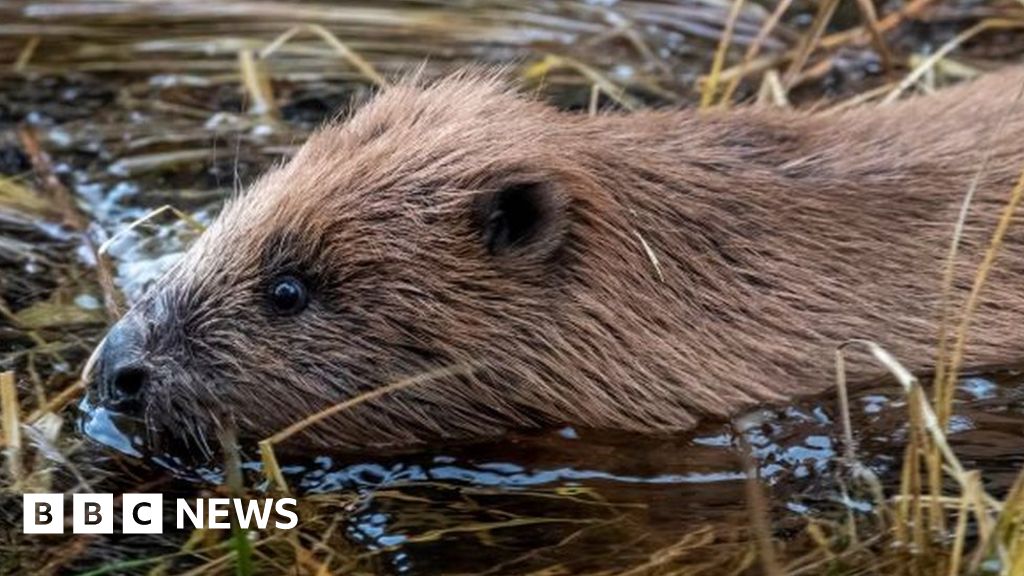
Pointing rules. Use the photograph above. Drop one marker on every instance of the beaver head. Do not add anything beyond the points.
(437, 227)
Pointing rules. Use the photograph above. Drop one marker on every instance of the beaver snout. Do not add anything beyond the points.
(122, 373)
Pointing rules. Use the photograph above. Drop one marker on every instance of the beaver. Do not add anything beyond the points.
(626, 271)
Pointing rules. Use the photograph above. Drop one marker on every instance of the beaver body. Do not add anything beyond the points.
(635, 272)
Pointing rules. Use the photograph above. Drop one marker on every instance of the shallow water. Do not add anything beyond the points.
(588, 500)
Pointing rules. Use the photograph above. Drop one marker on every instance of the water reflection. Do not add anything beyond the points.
(529, 501)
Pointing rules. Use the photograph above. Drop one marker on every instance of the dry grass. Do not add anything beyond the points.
(271, 468)
(243, 72)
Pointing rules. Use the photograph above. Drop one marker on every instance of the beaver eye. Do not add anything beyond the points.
(288, 295)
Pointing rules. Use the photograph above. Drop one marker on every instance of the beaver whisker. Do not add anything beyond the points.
(421, 378)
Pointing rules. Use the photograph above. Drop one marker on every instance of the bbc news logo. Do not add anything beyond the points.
(144, 513)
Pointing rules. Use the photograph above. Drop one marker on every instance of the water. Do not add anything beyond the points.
(585, 500)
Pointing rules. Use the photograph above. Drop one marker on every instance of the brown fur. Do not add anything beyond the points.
(778, 236)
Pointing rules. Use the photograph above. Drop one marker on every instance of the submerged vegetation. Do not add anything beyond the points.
(123, 126)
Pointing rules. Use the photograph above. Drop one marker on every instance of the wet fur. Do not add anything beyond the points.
(778, 235)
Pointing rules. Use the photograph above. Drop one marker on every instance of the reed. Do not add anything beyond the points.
(188, 100)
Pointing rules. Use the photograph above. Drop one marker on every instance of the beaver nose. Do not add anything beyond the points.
(123, 373)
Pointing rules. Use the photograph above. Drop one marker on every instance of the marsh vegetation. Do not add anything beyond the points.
(124, 125)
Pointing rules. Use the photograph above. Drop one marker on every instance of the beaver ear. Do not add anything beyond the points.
(523, 216)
